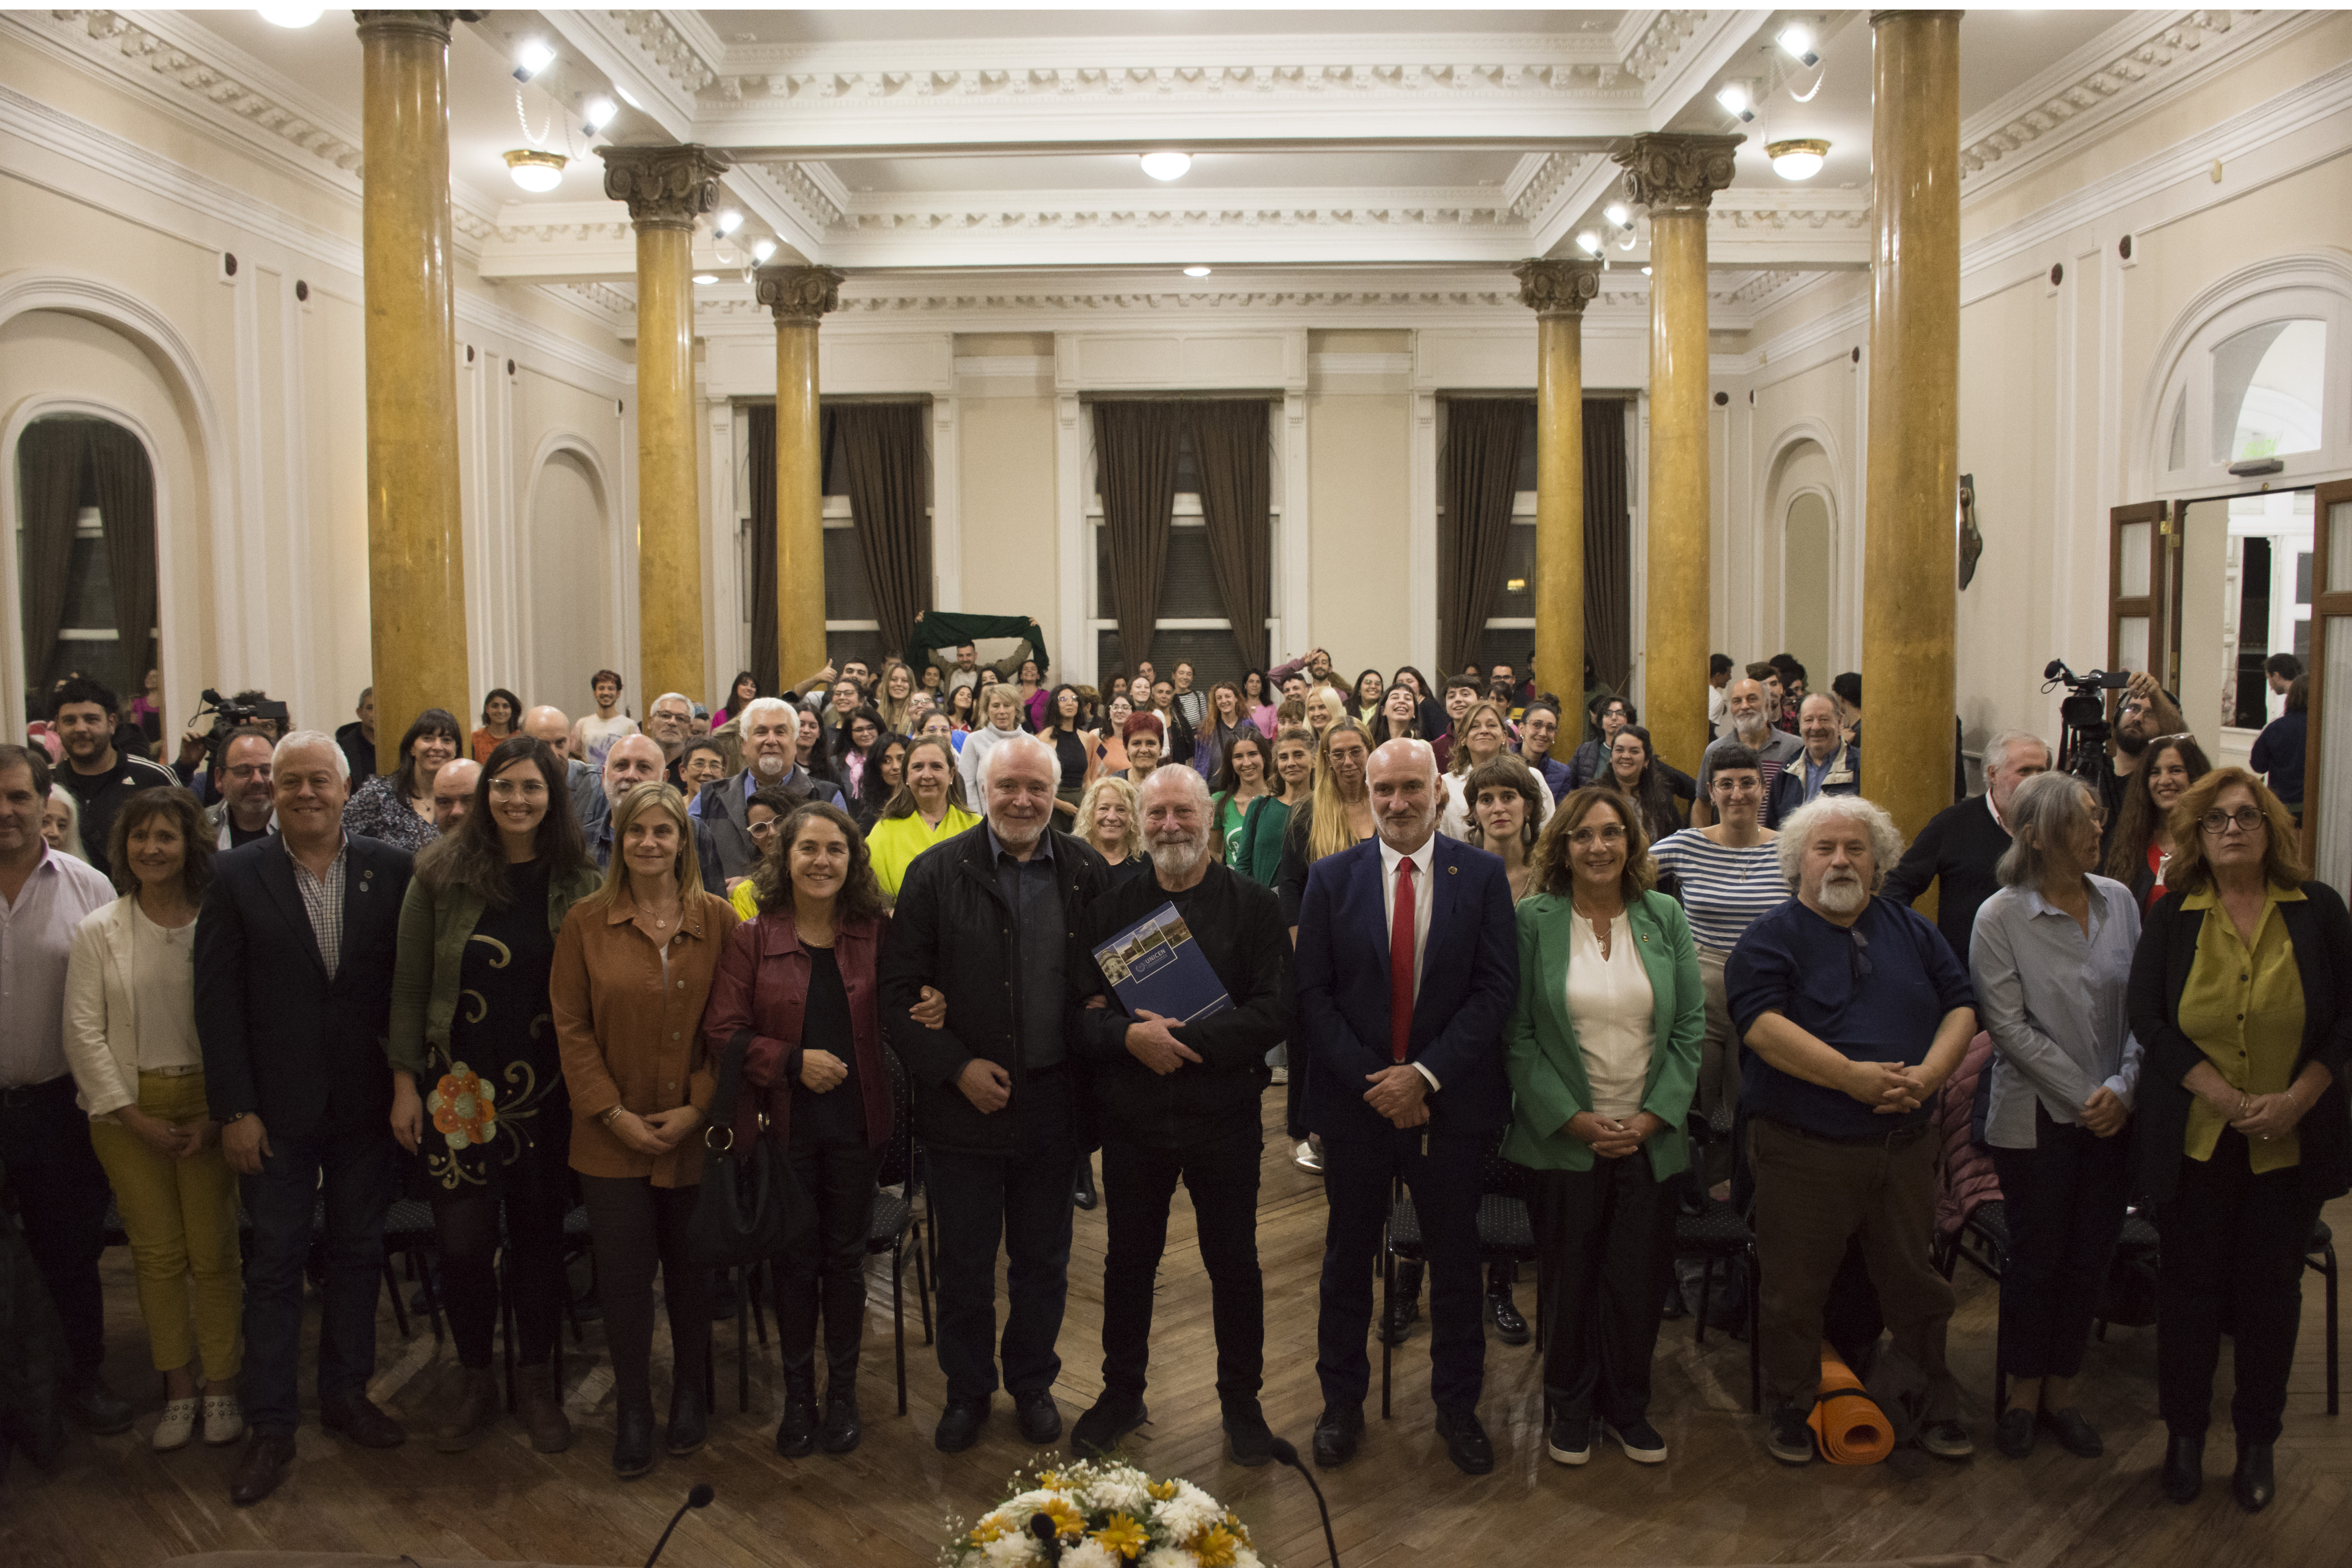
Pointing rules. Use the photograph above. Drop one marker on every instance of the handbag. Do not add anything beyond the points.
(751, 1205)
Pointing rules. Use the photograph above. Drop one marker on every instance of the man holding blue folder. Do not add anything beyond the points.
(1178, 1088)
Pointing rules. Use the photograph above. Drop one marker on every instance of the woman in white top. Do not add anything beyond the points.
(1731, 873)
(1603, 1052)
(130, 1038)
(1479, 738)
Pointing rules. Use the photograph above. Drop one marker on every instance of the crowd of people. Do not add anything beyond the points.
(539, 964)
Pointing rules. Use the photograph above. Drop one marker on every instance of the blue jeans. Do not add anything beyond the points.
(1026, 1200)
(344, 1180)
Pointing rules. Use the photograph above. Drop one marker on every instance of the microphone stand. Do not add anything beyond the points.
(699, 1496)
(1285, 1453)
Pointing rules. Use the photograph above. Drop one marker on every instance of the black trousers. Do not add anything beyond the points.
(1021, 1201)
(829, 1277)
(467, 1224)
(638, 1227)
(2233, 1246)
(1605, 1244)
(1139, 1183)
(1442, 1175)
(61, 1191)
(2064, 1200)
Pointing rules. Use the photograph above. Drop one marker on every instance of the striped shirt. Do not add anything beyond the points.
(1722, 889)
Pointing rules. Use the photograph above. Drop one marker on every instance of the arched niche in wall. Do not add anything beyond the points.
(86, 556)
(1798, 572)
(567, 582)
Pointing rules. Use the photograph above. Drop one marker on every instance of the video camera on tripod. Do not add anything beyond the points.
(2082, 741)
(229, 715)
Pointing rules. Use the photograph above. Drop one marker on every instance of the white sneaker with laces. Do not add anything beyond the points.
(1307, 1158)
(224, 1420)
(178, 1425)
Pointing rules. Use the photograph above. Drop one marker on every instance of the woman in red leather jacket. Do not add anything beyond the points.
(800, 980)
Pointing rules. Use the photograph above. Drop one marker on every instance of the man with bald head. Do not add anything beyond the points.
(453, 791)
(1408, 965)
(579, 780)
(633, 759)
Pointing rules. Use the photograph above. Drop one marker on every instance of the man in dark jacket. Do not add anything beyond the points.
(1179, 1099)
(771, 751)
(294, 956)
(1961, 845)
(991, 918)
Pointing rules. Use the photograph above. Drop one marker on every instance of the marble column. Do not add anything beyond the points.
(1676, 177)
(1911, 521)
(416, 554)
(1558, 292)
(800, 297)
(667, 189)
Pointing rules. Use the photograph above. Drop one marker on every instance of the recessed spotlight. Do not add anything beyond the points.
(1733, 97)
(730, 221)
(598, 113)
(1616, 213)
(1797, 40)
(1196, 272)
(1589, 243)
(531, 59)
(1798, 160)
(706, 277)
(626, 96)
(765, 249)
(536, 169)
(289, 16)
(1167, 165)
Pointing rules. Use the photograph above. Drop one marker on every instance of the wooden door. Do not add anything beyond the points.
(2143, 600)
(2327, 748)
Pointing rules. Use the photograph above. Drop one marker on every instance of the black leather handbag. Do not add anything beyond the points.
(751, 1207)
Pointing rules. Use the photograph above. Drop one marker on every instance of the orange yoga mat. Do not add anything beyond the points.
(1851, 1427)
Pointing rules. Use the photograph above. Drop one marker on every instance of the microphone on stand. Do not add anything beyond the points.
(1049, 1539)
(1286, 1454)
(699, 1496)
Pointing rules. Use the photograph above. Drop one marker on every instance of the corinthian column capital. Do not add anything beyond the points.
(799, 295)
(665, 187)
(1557, 287)
(1676, 174)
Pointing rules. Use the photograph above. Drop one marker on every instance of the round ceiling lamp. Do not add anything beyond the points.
(1196, 272)
(534, 170)
(289, 16)
(1798, 160)
(1167, 165)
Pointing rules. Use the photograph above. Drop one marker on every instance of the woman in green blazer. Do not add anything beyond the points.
(478, 1082)
(1603, 1052)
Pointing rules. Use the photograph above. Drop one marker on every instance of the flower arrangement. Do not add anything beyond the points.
(1105, 1515)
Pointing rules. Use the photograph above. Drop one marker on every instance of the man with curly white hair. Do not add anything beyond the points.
(1854, 1011)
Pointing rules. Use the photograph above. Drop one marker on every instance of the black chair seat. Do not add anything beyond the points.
(407, 1223)
(892, 1215)
(1716, 1228)
(2139, 1235)
(1505, 1229)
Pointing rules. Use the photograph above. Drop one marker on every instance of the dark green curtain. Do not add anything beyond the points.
(52, 477)
(1135, 464)
(1233, 445)
(1608, 545)
(126, 508)
(762, 481)
(1479, 478)
(886, 470)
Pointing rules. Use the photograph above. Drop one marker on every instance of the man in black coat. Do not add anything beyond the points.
(294, 958)
(1961, 845)
(990, 918)
(1177, 1094)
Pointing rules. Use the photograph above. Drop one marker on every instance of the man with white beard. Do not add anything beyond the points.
(1180, 1100)
(1854, 1013)
(771, 751)
(1750, 710)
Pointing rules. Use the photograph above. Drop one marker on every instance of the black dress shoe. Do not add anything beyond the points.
(959, 1425)
(1115, 1414)
(2251, 1483)
(1467, 1443)
(1082, 1189)
(690, 1419)
(1509, 1327)
(357, 1416)
(797, 1432)
(97, 1407)
(841, 1430)
(1039, 1418)
(2014, 1433)
(1249, 1441)
(2184, 1467)
(2075, 1434)
(633, 1439)
(267, 1455)
(1338, 1434)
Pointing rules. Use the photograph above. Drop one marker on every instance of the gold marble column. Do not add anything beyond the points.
(416, 557)
(1676, 177)
(1558, 291)
(1910, 544)
(800, 296)
(667, 189)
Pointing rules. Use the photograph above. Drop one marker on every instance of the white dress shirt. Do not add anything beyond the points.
(1423, 897)
(36, 940)
(1611, 1002)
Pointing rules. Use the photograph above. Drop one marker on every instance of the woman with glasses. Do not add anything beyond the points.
(1603, 1052)
(763, 815)
(2140, 847)
(2242, 995)
(2051, 960)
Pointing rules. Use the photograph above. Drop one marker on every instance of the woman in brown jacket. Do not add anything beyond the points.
(799, 981)
(633, 970)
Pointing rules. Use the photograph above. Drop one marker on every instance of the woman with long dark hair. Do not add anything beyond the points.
(862, 734)
(1246, 777)
(816, 745)
(397, 807)
(1257, 700)
(1063, 727)
(1398, 717)
(1504, 797)
(469, 1015)
(501, 712)
(1364, 697)
(743, 689)
(2141, 850)
(1635, 773)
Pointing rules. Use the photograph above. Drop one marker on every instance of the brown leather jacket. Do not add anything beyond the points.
(761, 989)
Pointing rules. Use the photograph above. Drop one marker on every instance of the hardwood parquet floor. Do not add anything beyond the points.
(113, 1503)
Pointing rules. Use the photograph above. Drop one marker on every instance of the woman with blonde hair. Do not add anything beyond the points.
(1336, 814)
(632, 969)
(893, 692)
(1483, 735)
(1112, 824)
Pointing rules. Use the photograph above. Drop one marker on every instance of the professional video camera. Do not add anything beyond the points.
(228, 716)
(2083, 743)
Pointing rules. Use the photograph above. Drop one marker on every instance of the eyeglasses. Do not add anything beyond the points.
(2245, 819)
(1608, 833)
(508, 789)
(761, 829)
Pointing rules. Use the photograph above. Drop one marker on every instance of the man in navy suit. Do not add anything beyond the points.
(294, 958)
(1407, 965)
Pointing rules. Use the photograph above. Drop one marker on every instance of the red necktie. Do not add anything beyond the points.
(1400, 965)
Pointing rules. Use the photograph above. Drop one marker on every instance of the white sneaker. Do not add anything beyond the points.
(179, 1425)
(1282, 1075)
(1307, 1158)
(224, 1420)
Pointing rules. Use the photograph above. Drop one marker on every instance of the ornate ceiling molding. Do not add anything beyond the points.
(1557, 287)
(667, 187)
(1662, 42)
(1676, 174)
(662, 39)
(1203, 210)
(798, 296)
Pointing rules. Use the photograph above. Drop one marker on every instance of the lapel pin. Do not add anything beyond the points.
(1452, 870)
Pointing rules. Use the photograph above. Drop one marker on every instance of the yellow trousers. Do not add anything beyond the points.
(181, 1217)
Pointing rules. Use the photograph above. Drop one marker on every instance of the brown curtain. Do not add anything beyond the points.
(762, 481)
(1608, 545)
(1481, 476)
(1233, 446)
(1135, 461)
(126, 508)
(52, 471)
(888, 472)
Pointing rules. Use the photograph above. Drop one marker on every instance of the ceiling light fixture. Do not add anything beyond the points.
(1645, 272)
(765, 249)
(598, 113)
(1797, 40)
(531, 59)
(1616, 213)
(536, 169)
(1589, 243)
(706, 277)
(730, 221)
(1801, 159)
(1196, 272)
(289, 16)
(1733, 96)
(1167, 165)
(627, 97)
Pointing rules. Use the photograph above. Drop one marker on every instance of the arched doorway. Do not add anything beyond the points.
(1806, 576)
(569, 586)
(85, 584)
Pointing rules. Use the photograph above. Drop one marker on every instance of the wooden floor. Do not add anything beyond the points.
(1720, 1499)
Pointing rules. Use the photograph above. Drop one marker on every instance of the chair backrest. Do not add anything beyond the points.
(895, 1163)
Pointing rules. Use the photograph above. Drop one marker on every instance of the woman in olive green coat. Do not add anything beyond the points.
(1602, 1053)
(478, 1082)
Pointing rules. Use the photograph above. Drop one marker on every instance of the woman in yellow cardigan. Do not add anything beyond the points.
(1603, 1052)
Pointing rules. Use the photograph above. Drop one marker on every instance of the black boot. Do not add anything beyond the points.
(2253, 1485)
(689, 1417)
(633, 1438)
(1509, 1327)
(2184, 1467)
(796, 1433)
(842, 1431)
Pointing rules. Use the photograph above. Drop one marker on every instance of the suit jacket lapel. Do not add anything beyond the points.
(359, 896)
(278, 876)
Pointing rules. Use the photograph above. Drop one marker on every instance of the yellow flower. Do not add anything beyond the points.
(1067, 1519)
(1214, 1547)
(1240, 1531)
(1123, 1536)
(1049, 1481)
(992, 1528)
(1162, 1491)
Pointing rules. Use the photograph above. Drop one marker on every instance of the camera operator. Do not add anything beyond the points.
(198, 766)
(2144, 713)
(247, 810)
(98, 776)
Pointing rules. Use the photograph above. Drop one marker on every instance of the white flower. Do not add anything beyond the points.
(1089, 1554)
(1169, 1557)
(1243, 1558)
(1189, 1512)
(1121, 1494)
(1010, 1552)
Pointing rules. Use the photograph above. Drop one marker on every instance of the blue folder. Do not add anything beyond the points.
(1154, 965)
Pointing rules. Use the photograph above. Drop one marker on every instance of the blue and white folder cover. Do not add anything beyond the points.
(1154, 965)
